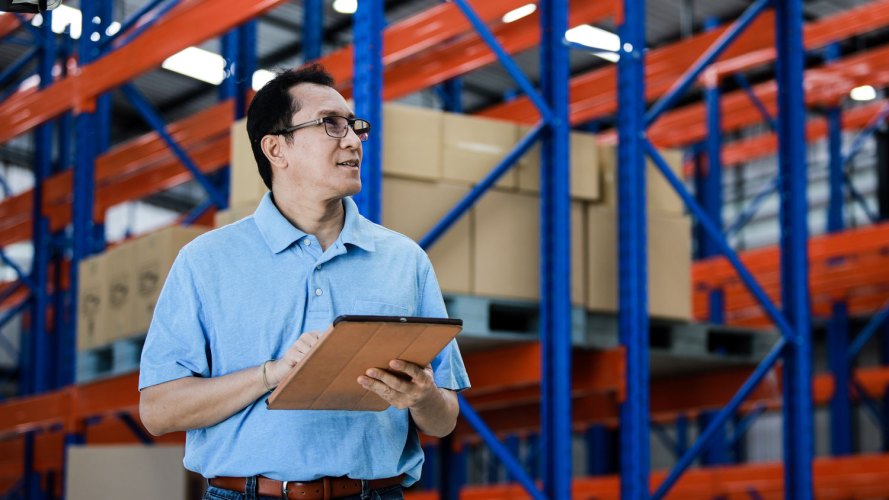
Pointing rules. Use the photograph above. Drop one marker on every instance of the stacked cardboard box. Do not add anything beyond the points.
(119, 288)
(432, 159)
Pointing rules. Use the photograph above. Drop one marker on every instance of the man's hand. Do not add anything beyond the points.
(278, 369)
(404, 385)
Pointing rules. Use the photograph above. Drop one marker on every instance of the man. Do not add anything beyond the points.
(230, 321)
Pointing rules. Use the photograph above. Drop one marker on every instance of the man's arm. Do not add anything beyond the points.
(196, 402)
(433, 409)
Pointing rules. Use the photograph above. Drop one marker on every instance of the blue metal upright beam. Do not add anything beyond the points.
(451, 93)
(555, 253)
(713, 181)
(246, 66)
(368, 94)
(632, 246)
(84, 241)
(835, 169)
(840, 367)
(41, 346)
(836, 164)
(313, 29)
(792, 168)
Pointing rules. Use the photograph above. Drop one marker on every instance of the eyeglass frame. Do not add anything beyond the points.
(322, 121)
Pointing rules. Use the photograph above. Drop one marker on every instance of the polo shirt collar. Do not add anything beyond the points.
(279, 233)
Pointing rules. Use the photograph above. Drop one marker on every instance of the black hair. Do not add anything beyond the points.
(273, 106)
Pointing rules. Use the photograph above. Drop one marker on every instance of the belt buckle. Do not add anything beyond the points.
(284, 491)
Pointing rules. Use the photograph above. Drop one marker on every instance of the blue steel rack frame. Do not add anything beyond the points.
(794, 346)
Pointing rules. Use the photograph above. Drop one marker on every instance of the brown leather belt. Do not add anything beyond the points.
(325, 488)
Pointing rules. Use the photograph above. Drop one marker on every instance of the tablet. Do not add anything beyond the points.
(327, 378)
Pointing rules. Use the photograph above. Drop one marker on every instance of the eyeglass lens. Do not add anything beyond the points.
(338, 127)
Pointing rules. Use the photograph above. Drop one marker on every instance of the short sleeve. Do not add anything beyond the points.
(448, 368)
(176, 344)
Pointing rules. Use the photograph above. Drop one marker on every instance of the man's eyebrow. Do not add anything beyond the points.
(335, 112)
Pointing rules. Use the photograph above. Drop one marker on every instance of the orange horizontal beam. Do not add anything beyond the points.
(188, 24)
(8, 24)
(593, 94)
(745, 150)
(470, 52)
(854, 241)
(521, 366)
(418, 33)
(127, 172)
(862, 476)
(826, 84)
(669, 396)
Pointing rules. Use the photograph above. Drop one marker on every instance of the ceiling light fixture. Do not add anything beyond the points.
(863, 93)
(345, 6)
(61, 18)
(516, 14)
(260, 78)
(596, 38)
(197, 63)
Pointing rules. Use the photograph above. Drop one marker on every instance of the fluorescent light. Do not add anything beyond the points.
(62, 16)
(197, 63)
(516, 14)
(596, 38)
(112, 29)
(863, 93)
(261, 77)
(345, 6)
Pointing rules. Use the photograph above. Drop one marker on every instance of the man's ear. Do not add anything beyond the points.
(271, 147)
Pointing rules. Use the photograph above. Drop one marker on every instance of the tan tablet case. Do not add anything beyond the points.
(327, 378)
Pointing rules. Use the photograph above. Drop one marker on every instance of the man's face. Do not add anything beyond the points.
(319, 167)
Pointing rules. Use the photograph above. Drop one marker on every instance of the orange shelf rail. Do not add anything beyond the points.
(851, 266)
(186, 25)
(592, 94)
(865, 476)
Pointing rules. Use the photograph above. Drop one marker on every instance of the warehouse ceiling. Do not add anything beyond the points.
(279, 33)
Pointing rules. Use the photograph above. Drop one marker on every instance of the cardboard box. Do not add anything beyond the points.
(234, 213)
(92, 303)
(129, 471)
(506, 242)
(121, 285)
(246, 184)
(473, 146)
(154, 257)
(414, 207)
(585, 183)
(411, 141)
(661, 197)
(669, 263)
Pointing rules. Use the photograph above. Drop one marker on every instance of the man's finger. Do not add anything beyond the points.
(413, 371)
(377, 386)
(390, 379)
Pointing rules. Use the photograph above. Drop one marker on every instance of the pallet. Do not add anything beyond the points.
(116, 358)
(493, 322)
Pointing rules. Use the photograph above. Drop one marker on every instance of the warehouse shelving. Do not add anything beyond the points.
(145, 165)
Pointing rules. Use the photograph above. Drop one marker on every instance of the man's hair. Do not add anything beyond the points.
(273, 106)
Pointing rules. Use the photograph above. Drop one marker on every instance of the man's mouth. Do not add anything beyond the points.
(348, 163)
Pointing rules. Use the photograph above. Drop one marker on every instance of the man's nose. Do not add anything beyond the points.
(351, 140)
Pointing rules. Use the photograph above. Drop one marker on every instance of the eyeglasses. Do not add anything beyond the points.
(335, 126)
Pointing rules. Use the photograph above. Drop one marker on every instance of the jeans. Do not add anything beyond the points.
(213, 493)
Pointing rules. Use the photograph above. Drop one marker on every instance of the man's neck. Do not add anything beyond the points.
(324, 220)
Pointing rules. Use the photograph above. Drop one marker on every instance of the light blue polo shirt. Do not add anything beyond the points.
(243, 293)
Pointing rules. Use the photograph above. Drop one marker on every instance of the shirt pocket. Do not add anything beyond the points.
(374, 308)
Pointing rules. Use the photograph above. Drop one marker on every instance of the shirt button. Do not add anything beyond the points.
(307, 242)
(318, 292)
(318, 267)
